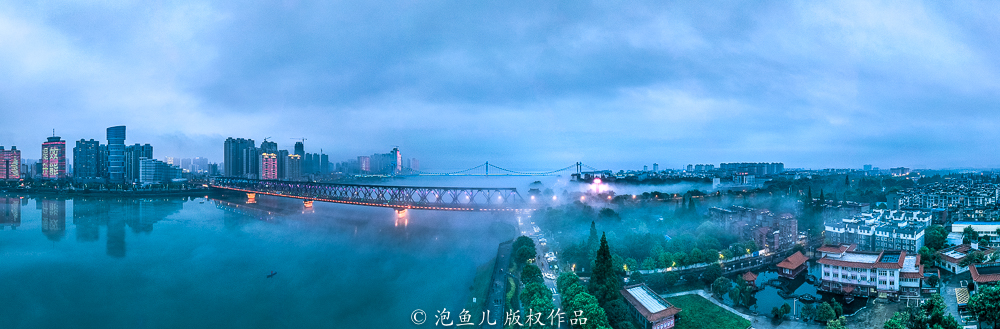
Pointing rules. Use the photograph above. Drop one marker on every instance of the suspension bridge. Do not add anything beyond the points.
(398, 197)
(484, 170)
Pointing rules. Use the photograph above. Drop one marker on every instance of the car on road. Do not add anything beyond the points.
(549, 276)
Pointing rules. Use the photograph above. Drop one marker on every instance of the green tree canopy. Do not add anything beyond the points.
(565, 280)
(531, 273)
(838, 323)
(523, 254)
(721, 286)
(974, 257)
(604, 282)
(986, 304)
(824, 312)
(712, 272)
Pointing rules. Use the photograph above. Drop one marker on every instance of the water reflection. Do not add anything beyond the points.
(53, 218)
(10, 212)
(117, 215)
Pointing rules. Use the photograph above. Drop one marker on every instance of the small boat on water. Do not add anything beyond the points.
(848, 299)
(272, 274)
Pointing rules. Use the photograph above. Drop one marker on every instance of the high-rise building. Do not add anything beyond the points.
(251, 162)
(324, 163)
(87, 159)
(116, 154)
(282, 163)
(235, 153)
(268, 147)
(300, 149)
(186, 164)
(10, 163)
(199, 164)
(364, 164)
(102, 168)
(398, 160)
(268, 166)
(293, 167)
(415, 165)
(656, 167)
(54, 158)
(307, 164)
(154, 171)
(134, 154)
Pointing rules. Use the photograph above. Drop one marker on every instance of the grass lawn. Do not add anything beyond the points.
(699, 313)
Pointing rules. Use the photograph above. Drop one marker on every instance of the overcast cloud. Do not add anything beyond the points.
(525, 85)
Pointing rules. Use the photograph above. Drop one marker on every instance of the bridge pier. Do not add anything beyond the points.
(251, 197)
(307, 203)
(401, 217)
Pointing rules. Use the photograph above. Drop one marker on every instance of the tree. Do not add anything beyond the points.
(721, 286)
(838, 323)
(523, 254)
(808, 311)
(824, 312)
(986, 304)
(604, 281)
(592, 311)
(712, 272)
(531, 273)
(618, 313)
(565, 280)
(670, 279)
(927, 256)
(735, 295)
(933, 280)
(974, 257)
(935, 237)
(936, 314)
(969, 234)
(636, 278)
(537, 297)
(898, 321)
(696, 256)
(838, 309)
(524, 249)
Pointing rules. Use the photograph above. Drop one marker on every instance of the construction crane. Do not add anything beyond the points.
(265, 138)
(303, 139)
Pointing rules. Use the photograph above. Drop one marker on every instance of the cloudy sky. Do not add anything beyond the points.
(527, 85)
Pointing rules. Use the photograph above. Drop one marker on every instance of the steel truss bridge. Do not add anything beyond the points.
(397, 197)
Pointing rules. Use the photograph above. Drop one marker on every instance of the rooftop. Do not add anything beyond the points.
(649, 304)
(983, 273)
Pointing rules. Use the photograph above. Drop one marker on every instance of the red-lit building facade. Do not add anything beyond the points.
(54, 158)
(268, 166)
(10, 163)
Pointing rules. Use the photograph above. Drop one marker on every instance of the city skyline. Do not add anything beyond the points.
(813, 85)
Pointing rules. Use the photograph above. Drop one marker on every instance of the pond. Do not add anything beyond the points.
(769, 295)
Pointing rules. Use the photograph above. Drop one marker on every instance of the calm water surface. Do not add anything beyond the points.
(197, 262)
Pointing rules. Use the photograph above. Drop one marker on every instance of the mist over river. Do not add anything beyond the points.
(203, 262)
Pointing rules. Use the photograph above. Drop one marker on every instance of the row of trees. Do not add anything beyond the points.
(933, 314)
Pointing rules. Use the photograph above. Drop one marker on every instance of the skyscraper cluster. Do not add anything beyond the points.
(243, 158)
(391, 163)
(113, 162)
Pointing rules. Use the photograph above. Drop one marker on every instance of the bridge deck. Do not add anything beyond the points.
(397, 197)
